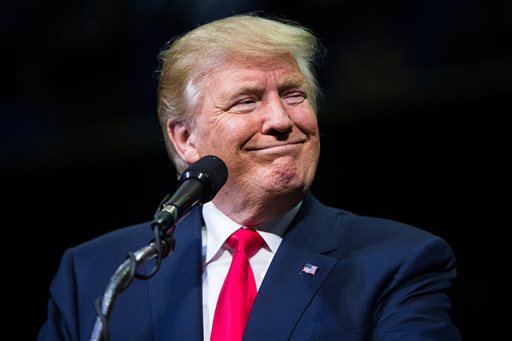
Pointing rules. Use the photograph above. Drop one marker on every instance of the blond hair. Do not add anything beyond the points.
(185, 60)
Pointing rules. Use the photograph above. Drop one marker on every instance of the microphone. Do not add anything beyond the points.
(198, 184)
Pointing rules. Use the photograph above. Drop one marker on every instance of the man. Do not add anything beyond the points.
(243, 89)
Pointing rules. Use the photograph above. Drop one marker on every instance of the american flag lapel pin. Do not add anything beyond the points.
(309, 269)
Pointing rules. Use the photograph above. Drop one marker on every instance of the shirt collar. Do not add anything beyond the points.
(219, 227)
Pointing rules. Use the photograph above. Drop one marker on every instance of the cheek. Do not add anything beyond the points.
(305, 120)
(239, 127)
(228, 134)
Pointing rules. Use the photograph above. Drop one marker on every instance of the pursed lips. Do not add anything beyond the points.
(277, 145)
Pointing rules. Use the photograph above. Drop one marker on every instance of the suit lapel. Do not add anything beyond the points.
(176, 290)
(286, 292)
(285, 287)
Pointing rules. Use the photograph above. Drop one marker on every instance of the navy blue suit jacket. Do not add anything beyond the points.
(376, 280)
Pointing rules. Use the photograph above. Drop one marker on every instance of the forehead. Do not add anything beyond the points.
(254, 70)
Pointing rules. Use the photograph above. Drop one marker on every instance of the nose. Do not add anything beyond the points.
(276, 118)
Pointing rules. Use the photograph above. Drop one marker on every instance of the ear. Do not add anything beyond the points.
(184, 141)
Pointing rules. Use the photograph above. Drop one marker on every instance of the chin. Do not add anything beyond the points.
(282, 175)
(287, 183)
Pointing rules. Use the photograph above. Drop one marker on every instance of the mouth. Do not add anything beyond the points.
(277, 146)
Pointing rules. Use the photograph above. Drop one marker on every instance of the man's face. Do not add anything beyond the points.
(254, 114)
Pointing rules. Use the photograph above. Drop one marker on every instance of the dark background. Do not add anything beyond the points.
(416, 95)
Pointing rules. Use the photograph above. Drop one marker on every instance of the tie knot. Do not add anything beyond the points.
(247, 241)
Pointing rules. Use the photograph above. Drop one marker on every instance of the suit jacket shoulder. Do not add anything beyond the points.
(139, 312)
(374, 279)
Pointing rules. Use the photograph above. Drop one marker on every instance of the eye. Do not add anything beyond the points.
(295, 97)
(246, 101)
(245, 104)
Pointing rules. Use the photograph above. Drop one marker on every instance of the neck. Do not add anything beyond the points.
(253, 209)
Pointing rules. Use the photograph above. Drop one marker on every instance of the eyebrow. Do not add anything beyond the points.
(246, 90)
(291, 84)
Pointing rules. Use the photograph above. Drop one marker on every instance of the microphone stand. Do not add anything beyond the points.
(161, 247)
(198, 184)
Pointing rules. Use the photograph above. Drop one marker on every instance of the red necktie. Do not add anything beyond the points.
(239, 288)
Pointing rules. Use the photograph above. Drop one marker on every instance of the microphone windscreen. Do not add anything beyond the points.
(211, 171)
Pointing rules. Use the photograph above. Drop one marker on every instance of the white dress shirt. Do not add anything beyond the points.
(217, 258)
